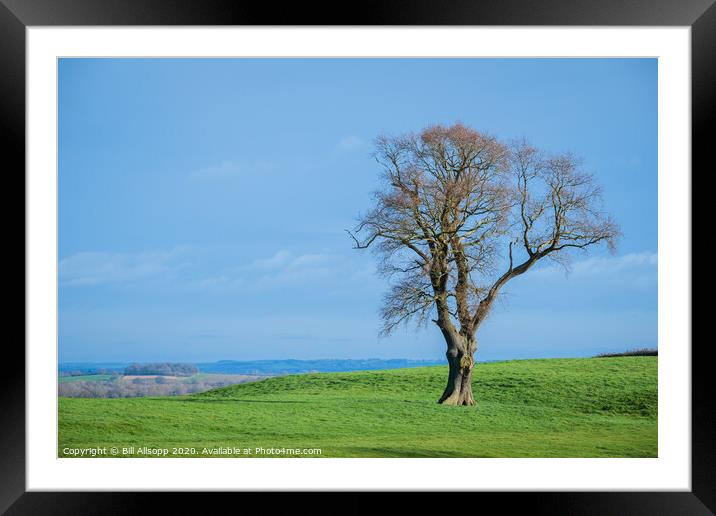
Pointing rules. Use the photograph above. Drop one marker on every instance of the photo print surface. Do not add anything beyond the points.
(311, 258)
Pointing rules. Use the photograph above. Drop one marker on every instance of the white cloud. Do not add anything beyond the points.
(284, 261)
(224, 170)
(308, 261)
(277, 260)
(222, 282)
(349, 144)
(281, 269)
(605, 265)
(299, 270)
(96, 268)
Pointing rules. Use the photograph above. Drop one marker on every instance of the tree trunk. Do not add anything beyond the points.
(459, 385)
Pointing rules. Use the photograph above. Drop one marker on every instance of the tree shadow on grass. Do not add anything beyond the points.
(368, 452)
(228, 400)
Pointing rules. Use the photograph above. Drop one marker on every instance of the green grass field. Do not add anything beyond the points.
(591, 407)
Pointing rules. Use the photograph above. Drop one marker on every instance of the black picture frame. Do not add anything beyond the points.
(16, 15)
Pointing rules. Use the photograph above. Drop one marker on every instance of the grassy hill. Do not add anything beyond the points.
(587, 407)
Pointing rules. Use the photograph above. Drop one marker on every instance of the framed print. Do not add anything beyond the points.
(408, 251)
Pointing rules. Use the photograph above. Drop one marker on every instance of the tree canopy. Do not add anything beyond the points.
(460, 213)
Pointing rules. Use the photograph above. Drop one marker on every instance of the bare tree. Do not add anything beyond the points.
(456, 205)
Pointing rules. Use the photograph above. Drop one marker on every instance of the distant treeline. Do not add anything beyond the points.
(289, 366)
(119, 387)
(161, 368)
(641, 352)
(85, 372)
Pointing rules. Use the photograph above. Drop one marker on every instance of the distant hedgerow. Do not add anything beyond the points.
(163, 368)
(641, 352)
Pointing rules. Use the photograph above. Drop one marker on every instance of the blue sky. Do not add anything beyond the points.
(203, 203)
